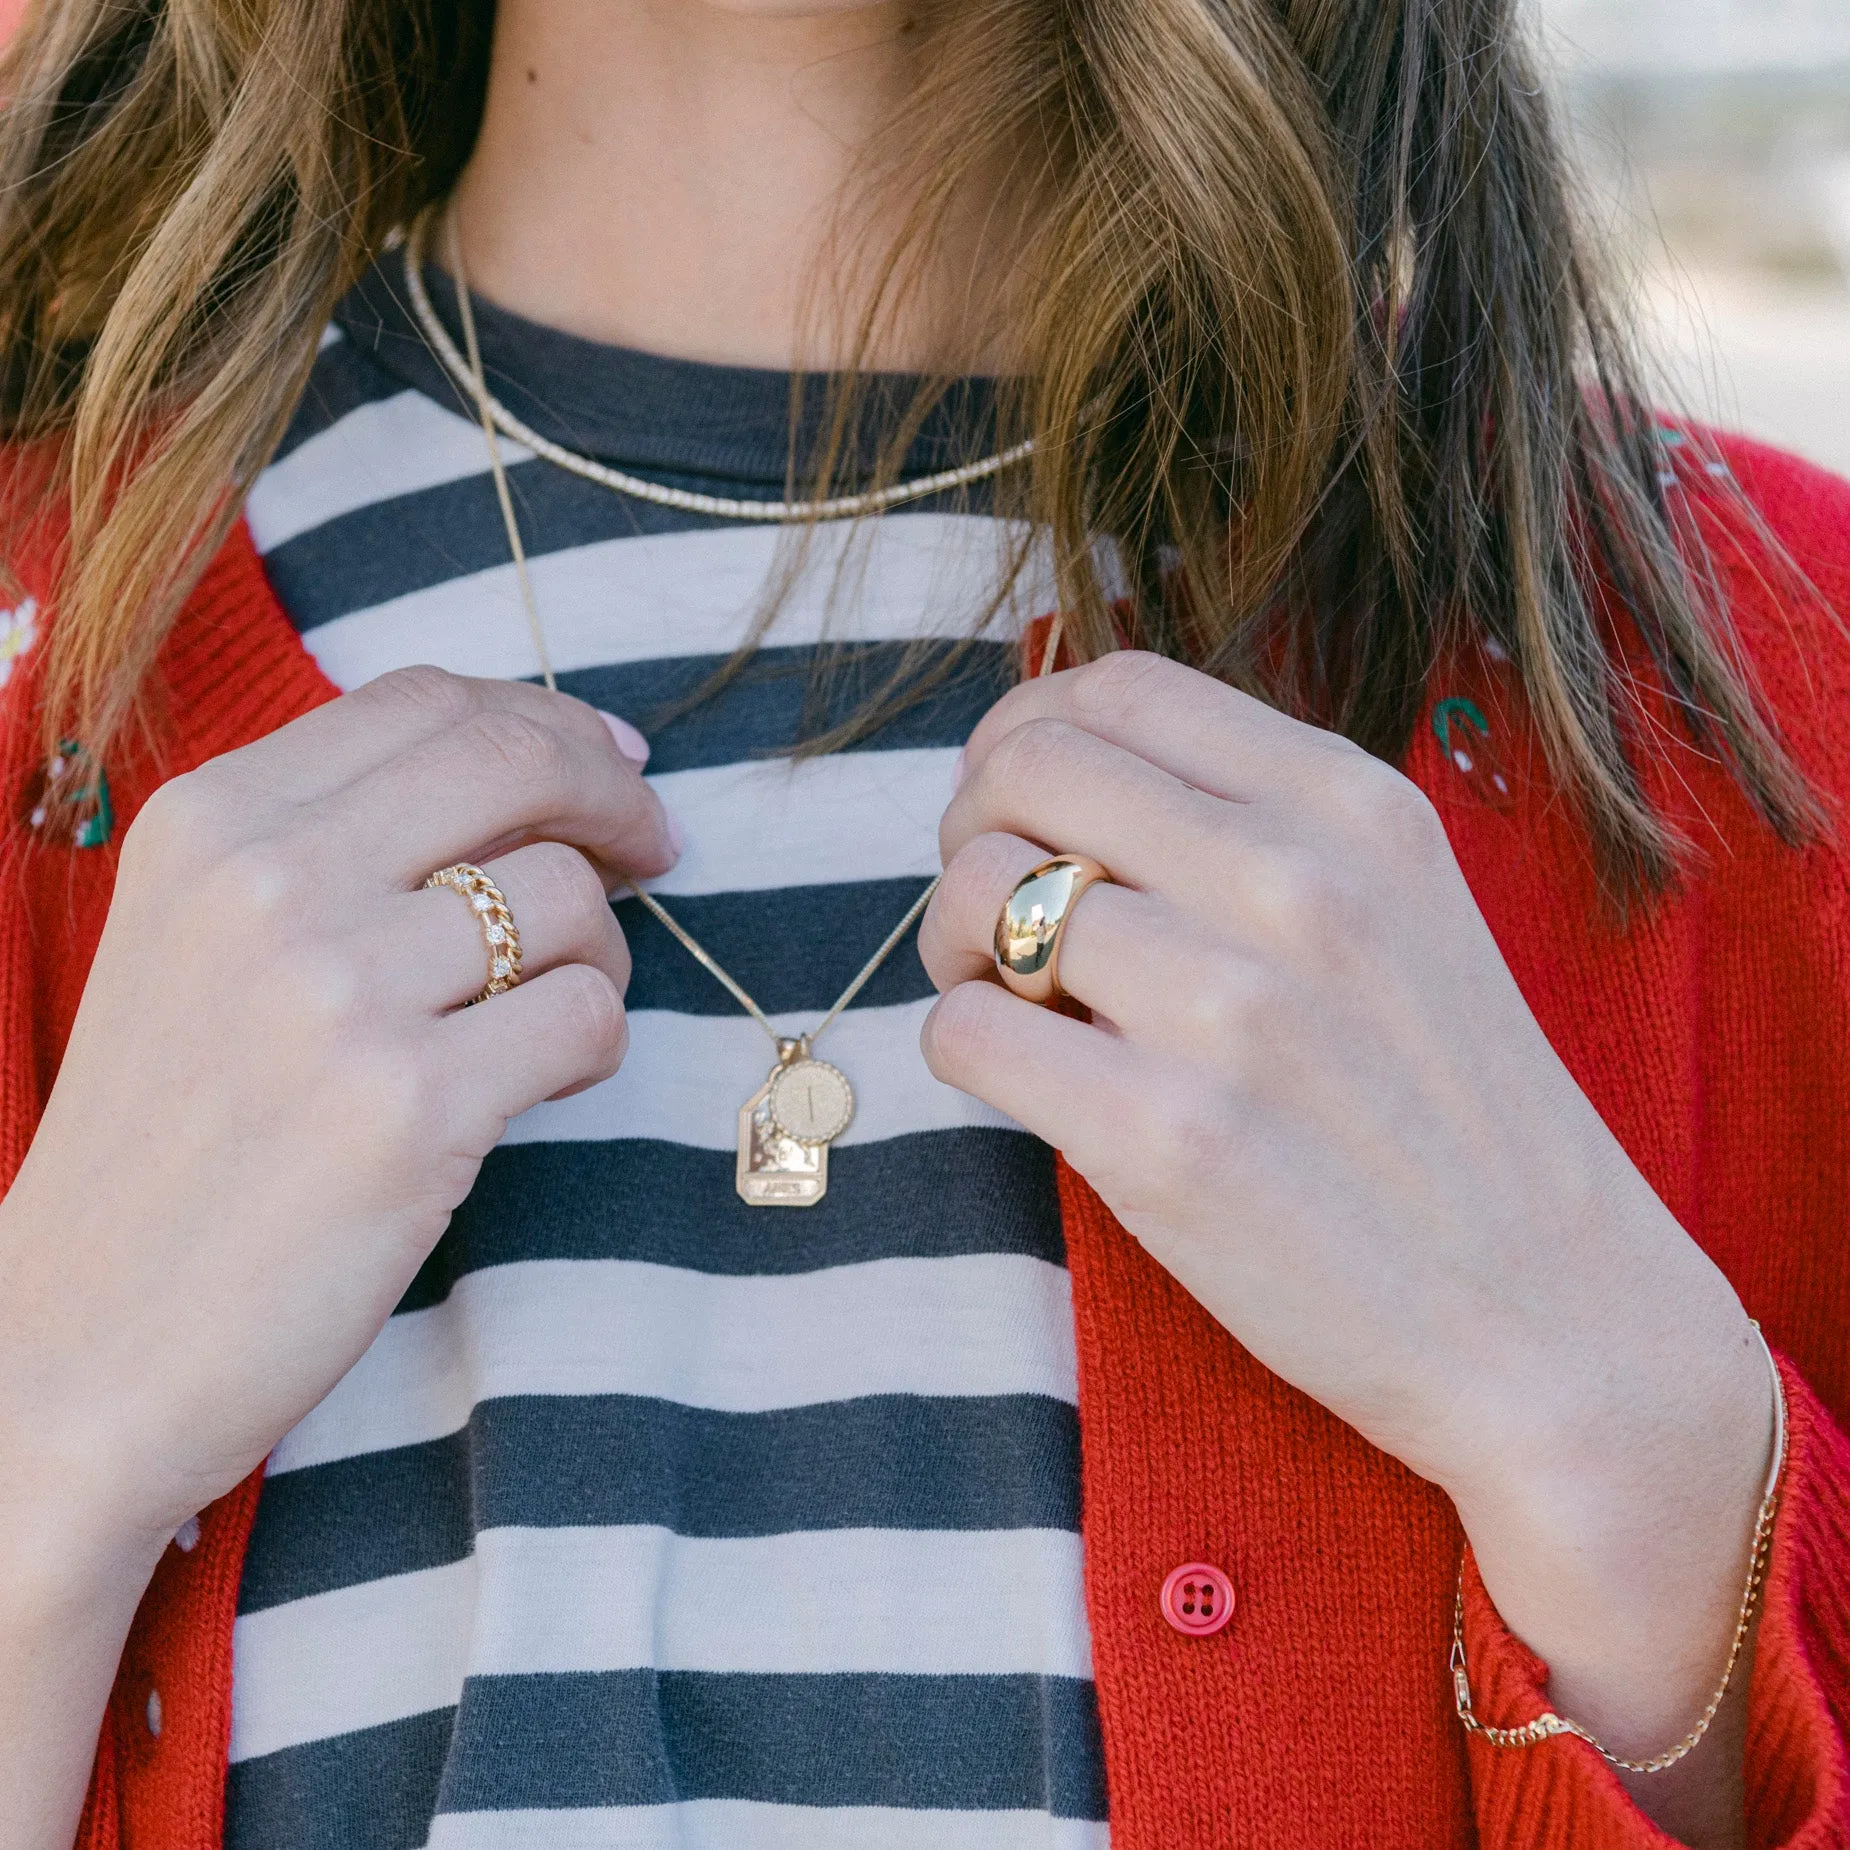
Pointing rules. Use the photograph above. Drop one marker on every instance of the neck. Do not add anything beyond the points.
(664, 174)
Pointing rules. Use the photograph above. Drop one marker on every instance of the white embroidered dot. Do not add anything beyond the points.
(154, 1713)
(17, 632)
(186, 1537)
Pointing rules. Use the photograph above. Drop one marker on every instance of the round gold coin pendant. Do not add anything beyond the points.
(810, 1101)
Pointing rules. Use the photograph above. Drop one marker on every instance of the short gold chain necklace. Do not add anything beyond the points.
(788, 1124)
(466, 371)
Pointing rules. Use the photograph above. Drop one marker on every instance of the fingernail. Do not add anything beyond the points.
(630, 742)
(958, 770)
(676, 840)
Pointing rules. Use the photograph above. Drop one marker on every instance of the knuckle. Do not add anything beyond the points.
(327, 989)
(1310, 902)
(1235, 1006)
(618, 960)
(962, 1029)
(189, 819)
(424, 689)
(519, 744)
(1122, 682)
(1386, 807)
(983, 871)
(593, 1009)
(388, 1090)
(1035, 751)
(260, 885)
(565, 886)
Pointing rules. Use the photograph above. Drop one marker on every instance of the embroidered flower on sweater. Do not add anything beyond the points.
(18, 631)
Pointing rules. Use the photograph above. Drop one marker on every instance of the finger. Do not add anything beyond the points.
(1050, 782)
(322, 750)
(1071, 1084)
(564, 1030)
(957, 936)
(1132, 958)
(436, 950)
(957, 933)
(506, 774)
(1194, 727)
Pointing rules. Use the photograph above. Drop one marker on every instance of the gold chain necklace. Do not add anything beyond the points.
(788, 1124)
(466, 371)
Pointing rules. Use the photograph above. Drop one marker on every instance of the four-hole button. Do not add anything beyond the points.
(1197, 1599)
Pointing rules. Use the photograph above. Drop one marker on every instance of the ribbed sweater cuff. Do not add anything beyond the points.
(1561, 1795)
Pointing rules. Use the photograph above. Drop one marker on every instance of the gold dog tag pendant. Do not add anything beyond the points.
(786, 1127)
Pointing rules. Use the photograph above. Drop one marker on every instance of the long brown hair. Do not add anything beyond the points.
(1311, 335)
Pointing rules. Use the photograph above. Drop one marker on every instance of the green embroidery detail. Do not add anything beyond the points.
(96, 828)
(1446, 712)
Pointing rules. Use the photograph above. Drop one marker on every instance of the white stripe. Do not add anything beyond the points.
(679, 594)
(331, 336)
(686, 1076)
(976, 1324)
(896, 1602)
(893, 1602)
(743, 1824)
(299, 1694)
(757, 825)
(393, 446)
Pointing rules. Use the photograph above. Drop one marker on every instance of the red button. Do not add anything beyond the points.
(1197, 1599)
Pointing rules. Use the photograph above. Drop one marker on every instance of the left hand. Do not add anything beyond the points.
(1312, 1090)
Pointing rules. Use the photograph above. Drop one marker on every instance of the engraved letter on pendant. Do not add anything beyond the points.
(776, 1171)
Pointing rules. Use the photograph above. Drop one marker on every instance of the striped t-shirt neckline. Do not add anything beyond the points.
(651, 1519)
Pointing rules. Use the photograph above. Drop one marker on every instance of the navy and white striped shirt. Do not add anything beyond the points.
(652, 1519)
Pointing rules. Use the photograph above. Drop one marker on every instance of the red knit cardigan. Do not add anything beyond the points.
(1713, 1034)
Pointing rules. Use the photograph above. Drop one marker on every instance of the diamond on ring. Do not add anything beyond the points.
(489, 904)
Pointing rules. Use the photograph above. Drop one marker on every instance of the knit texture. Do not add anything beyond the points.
(1712, 1033)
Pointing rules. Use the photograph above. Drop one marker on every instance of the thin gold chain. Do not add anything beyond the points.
(693, 946)
(468, 373)
(1548, 1723)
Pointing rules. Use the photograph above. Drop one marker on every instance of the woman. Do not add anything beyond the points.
(1451, 1059)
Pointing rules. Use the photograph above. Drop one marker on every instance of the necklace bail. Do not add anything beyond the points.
(791, 1049)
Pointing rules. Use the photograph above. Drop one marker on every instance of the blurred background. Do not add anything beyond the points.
(1714, 140)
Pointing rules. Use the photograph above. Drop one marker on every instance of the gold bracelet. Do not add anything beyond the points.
(1549, 1723)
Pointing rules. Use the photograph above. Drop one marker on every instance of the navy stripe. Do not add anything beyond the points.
(640, 1737)
(415, 541)
(943, 1194)
(344, 380)
(793, 948)
(372, 1790)
(887, 1461)
(786, 694)
(412, 542)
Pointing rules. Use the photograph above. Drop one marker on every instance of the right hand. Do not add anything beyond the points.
(273, 1100)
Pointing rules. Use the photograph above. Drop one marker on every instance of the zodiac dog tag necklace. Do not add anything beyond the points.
(787, 1125)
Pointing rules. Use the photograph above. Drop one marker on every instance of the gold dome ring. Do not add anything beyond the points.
(1033, 921)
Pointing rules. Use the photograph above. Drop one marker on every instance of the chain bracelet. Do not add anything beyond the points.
(1548, 1724)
